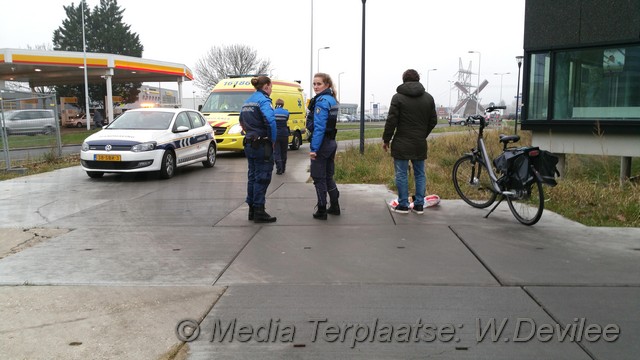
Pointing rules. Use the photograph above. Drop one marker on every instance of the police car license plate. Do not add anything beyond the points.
(107, 157)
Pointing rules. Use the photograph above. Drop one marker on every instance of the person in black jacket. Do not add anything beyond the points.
(97, 119)
(412, 116)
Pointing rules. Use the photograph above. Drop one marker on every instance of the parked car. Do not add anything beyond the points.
(473, 121)
(29, 122)
(457, 120)
(78, 121)
(156, 139)
(343, 118)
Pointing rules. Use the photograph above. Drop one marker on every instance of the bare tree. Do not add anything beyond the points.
(220, 62)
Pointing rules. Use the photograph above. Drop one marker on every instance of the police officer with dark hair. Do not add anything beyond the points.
(321, 122)
(282, 142)
(259, 124)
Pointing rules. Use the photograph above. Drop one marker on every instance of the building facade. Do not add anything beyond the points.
(581, 76)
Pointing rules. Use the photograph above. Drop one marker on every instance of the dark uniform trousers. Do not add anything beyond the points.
(322, 170)
(259, 155)
(280, 153)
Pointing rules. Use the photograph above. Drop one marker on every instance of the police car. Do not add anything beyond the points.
(155, 139)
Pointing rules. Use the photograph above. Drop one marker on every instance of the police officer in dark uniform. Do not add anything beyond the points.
(321, 122)
(259, 124)
(282, 142)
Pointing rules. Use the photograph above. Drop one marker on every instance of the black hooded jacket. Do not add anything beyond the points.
(412, 116)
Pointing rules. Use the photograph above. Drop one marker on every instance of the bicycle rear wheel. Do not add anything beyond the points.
(472, 182)
(527, 204)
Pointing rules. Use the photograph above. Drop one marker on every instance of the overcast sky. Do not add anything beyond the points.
(400, 34)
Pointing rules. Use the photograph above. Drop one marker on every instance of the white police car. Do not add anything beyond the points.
(157, 139)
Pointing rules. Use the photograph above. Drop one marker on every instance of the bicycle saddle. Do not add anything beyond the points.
(509, 138)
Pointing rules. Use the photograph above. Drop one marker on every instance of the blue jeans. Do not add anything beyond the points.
(402, 181)
(260, 160)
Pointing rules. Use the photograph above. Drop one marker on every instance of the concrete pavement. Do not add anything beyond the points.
(125, 267)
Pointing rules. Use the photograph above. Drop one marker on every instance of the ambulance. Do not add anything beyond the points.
(222, 110)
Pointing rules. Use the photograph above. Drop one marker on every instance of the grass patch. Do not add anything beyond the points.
(48, 162)
(76, 137)
(68, 136)
(589, 192)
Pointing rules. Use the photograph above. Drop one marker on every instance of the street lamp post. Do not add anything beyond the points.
(519, 60)
(501, 75)
(194, 100)
(311, 57)
(478, 88)
(339, 92)
(373, 101)
(322, 48)
(428, 71)
(86, 81)
(362, 73)
(450, 88)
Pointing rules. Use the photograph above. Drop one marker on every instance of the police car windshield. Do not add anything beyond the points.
(225, 102)
(143, 120)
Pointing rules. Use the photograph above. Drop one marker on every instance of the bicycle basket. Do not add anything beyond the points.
(545, 163)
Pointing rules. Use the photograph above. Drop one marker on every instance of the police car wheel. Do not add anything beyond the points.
(168, 167)
(211, 156)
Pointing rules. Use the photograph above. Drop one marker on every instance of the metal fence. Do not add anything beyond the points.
(30, 128)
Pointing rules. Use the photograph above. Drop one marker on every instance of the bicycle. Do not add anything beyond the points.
(520, 182)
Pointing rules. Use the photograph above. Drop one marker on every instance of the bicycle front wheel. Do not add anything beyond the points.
(472, 182)
(527, 204)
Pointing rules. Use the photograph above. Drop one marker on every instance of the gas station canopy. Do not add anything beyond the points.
(48, 68)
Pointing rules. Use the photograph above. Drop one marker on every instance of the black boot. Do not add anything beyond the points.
(261, 216)
(321, 212)
(251, 213)
(334, 209)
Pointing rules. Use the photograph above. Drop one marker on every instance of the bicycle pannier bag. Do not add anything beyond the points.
(514, 164)
(502, 162)
(545, 164)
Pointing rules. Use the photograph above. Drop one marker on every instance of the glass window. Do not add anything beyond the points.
(538, 102)
(197, 120)
(597, 83)
(588, 84)
(231, 101)
(142, 120)
(183, 120)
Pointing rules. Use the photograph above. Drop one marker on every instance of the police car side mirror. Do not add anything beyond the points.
(182, 128)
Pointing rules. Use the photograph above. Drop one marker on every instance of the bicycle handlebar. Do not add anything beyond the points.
(481, 118)
(494, 108)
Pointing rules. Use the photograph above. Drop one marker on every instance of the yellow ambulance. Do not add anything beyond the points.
(222, 110)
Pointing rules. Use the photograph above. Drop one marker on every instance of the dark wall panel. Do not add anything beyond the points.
(567, 23)
(551, 23)
(610, 21)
